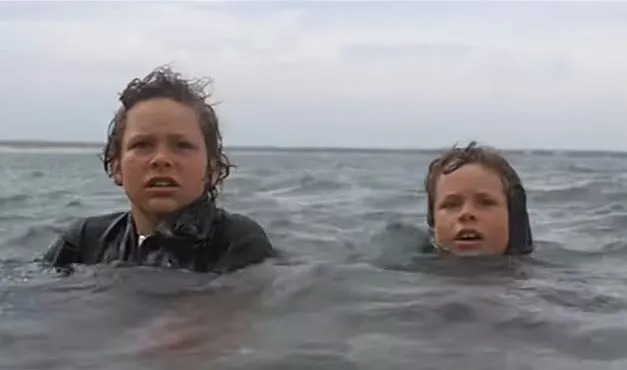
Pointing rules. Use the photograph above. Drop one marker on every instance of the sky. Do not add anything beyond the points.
(529, 75)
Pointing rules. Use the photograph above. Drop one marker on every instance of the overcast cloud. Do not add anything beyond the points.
(525, 75)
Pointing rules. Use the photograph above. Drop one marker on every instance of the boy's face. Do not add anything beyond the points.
(163, 159)
(470, 211)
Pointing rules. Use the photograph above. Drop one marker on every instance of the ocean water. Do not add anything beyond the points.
(350, 292)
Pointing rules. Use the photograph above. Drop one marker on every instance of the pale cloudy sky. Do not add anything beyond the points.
(517, 75)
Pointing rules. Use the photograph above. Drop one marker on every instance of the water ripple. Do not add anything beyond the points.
(351, 291)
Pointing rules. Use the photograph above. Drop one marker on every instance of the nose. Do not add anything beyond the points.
(161, 159)
(467, 213)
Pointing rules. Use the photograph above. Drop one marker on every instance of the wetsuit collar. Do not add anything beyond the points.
(192, 222)
(179, 237)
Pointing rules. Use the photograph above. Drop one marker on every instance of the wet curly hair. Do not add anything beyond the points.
(162, 82)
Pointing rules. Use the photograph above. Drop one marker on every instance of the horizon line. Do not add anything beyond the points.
(30, 143)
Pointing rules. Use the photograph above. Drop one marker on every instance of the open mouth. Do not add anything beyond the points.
(468, 235)
(161, 182)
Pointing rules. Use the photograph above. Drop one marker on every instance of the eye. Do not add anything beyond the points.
(139, 144)
(486, 201)
(450, 202)
(183, 144)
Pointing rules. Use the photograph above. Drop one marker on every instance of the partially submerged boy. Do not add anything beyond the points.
(476, 204)
(164, 148)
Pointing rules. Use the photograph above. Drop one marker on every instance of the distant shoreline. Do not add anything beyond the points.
(50, 144)
(42, 144)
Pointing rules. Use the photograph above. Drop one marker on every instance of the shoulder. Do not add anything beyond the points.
(70, 243)
(244, 230)
(248, 243)
(92, 226)
(237, 223)
(95, 226)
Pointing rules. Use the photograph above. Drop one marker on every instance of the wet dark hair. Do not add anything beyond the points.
(520, 236)
(162, 82)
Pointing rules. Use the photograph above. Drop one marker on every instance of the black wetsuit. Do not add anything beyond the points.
(200, 237)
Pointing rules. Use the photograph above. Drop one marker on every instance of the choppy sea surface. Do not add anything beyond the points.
(351, 290)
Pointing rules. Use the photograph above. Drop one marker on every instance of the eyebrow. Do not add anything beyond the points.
(479, 194)
(168, 136)
(484, 194)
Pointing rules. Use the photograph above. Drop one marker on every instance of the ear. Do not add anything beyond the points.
(116, 173)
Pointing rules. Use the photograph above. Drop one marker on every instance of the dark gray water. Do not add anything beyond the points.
(351, 292)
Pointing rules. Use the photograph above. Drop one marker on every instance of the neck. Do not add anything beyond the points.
(144, 224)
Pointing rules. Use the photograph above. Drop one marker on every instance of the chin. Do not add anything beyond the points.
(472, 253)
(162, 206)
(476, 252)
